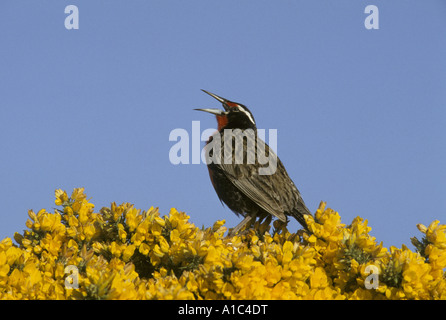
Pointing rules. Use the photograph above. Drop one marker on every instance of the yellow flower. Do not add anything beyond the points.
(122, 252)
(115, 249)
(436, 234)
(144, 249)
(318, 279)
(78, 194)
(132, 218)
(128, 252)
(32, 273)
(61, 197)
(422, 227)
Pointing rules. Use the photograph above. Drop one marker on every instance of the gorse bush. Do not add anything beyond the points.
(125, 253)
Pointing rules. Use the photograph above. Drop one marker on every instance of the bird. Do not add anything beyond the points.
(242, 185)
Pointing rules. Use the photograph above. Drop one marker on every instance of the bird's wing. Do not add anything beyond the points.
(258, 187)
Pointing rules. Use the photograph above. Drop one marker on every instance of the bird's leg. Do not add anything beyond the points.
(240, 226)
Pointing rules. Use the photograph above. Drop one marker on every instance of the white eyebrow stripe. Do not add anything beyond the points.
(248, 114)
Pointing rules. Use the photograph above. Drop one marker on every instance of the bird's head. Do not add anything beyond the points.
(234, 116)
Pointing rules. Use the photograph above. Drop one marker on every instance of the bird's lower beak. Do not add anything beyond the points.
(217, 112)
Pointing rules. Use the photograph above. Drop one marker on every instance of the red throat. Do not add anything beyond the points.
(222, 121)
(231, 104)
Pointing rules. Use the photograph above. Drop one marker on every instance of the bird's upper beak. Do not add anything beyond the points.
(223, 101)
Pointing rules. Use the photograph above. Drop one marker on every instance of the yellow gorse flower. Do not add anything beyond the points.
(121, 252)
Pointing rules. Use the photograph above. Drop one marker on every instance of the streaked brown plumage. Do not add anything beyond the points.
(242, 185)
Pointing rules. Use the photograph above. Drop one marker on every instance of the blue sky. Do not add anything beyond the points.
(360, 114)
